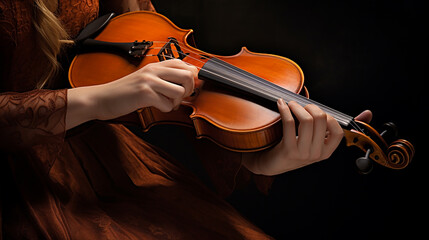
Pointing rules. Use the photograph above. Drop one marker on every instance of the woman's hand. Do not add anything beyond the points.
(318, 136)
(162, 85)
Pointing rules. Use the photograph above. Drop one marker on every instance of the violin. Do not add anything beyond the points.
(234, 102)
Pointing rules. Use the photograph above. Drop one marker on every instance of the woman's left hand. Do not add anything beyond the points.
(319, 135)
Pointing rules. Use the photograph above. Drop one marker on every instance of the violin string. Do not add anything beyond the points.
(269, 85)
(279, 91)
(269, 90)
(345, 119)
(273, 95)
(230, 66)
(225, 66)
(284, 93)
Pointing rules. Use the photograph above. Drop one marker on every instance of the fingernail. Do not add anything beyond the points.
(282, 102)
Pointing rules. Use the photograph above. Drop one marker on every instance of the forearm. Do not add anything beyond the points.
(145, 87)
(81, 106)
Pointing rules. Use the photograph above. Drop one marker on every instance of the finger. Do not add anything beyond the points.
(174, 63)
(182, 77)
(365, 116)
(334, 137)
(319, 129)
(179, 64)
(305, 129)
(289, 132)
(162, 103)
(193, 69)
(170, 90)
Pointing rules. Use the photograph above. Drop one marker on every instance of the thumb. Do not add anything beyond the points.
(365, 116)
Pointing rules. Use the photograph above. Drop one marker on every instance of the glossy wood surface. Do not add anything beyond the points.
(227, 119)
(223, 116)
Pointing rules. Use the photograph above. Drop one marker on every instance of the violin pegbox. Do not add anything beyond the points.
(396, 155)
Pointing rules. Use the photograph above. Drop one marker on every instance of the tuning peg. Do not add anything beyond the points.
(364, 164)
(390, 131)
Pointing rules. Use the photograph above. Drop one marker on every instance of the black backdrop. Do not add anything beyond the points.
(355, 55)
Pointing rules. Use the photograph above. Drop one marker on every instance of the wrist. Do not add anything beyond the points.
(81, 106)
(251, 161)
(265, 162)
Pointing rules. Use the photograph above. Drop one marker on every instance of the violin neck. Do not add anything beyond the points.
(226, 74)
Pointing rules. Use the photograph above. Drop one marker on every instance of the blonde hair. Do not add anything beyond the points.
(51, 37)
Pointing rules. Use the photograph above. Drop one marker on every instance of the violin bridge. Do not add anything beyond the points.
(171, 50)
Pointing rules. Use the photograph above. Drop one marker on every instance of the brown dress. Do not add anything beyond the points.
(99, 181)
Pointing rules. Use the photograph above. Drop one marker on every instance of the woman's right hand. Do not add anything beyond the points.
(162, 85)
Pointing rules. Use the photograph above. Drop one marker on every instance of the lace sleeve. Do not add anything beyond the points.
(32, 118)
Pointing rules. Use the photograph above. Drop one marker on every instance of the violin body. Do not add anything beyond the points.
(232, 122)
(236, 120)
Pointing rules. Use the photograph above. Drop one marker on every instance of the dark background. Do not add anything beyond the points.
(355, 55)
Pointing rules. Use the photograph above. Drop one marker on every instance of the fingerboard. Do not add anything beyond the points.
(222, 72)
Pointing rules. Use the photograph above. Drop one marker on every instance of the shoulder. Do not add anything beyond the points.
(76, 14)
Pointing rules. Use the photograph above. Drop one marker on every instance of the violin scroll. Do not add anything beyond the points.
(400, 153)
(396, 155)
